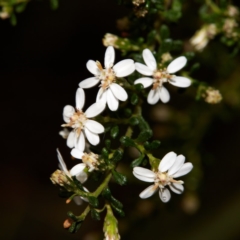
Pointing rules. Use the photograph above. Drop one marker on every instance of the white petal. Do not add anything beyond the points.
(177, 188)
(80, 98)
(149, 59)
(180, 81)
(68, 111)
(176, 64)
(143, 178)
(102, 96)
(185, 169)
(92, 67)
(148, 192)
(144, 172)
(109, 57)
(177, 165)
(92, 137)
(78, 171)
(167, 161)
(153, 96)
(71, 139)
(80, 142)
(163, 94)
(164, 195)
(76, 153)
(112, 101)
(95, 109)
(77, 200)
(89, 82)
(94, 126)
(143, 69)
(124, 68)
(119, 92)
(62, 163)
(146, 82)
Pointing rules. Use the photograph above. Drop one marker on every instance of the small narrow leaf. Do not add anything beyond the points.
(134, 99)
(144, 136)
(134, 121)
(95, 214)
(119, 178)
(137, 161)
(127, 142)
(117, 156)
(93, 201)
(114, 132)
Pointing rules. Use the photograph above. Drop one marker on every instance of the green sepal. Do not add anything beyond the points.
(108, 144)
(134, 121)
(144, 136)
(137, 161)
(93, 201)
(95, 214)
(134, 99)
(164, 32)
(72, 227)
(72, 216)
(119, 178)
(127, 142)
(117, 156)
(114, 132)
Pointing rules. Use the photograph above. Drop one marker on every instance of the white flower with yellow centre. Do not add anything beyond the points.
(171, 167)
(160, 76)
(81, 123)
(110, 92)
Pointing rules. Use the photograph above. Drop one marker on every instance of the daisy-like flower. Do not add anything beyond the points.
(110, 92)
(171, 166)
(160, 76)
(81, 123)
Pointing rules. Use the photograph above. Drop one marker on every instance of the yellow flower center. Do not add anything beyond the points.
(159, 77)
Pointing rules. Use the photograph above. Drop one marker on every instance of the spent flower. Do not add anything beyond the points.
(110, 91)
(171, 166)
(160, 76)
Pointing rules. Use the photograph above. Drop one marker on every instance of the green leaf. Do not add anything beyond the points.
(72, 227)
(93, 201)
(20, 7)
(128, 111)
(127, 142)
(116, 203)
(134, 121)
(77, 183)
(119, 178)
(79, 224)
(117, 156)
(114, 132)
(72, 216)
(95, 214)
(144, 136)
(137, 161)
(13, 19)
(164, 32)
(54, 4)
(139, 87)
(166, 45)
(120, 212)
(104, 155)
(106, 193)
(108, 144)
(155, 144)
(134, 99)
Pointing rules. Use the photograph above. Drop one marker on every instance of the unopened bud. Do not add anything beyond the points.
(59, 178)
(110, 40)
(67, 223)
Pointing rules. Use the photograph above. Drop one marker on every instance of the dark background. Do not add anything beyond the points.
(42, 60)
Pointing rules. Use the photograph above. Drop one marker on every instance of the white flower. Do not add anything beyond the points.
(78, 171)
(89, 159)
(171, 166)
(160, 76)
(110, 92)
(81, 122)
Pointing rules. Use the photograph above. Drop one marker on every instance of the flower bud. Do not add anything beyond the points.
(212, 96)
(59, 178)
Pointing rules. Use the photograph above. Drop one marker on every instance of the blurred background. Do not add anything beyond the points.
(42, 60)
